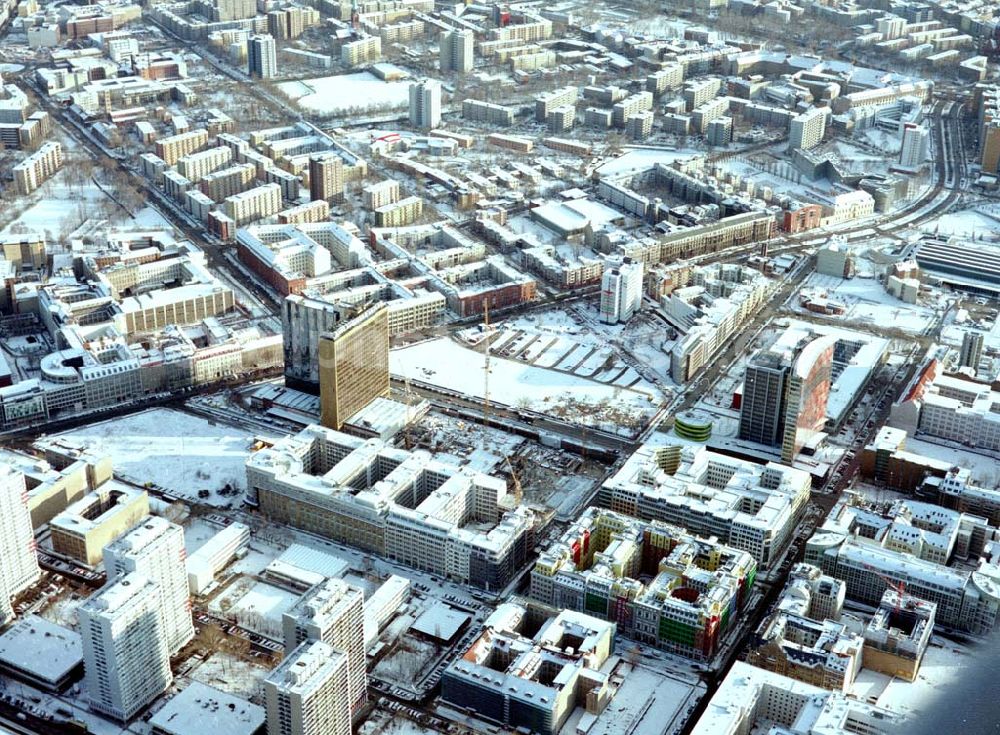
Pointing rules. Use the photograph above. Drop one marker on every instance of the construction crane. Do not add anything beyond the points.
(486, 369)
(898, 586)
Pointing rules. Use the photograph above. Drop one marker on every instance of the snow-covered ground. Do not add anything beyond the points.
(171, 450)
(230, 674)
(255, 605)
(638, 159)
(966, 222)
(447, 365)
(346, 92)
(867, 302)
(941, 667)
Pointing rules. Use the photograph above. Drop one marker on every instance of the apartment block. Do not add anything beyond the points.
(257, 203)
(155, 549)
(326, 177)
(546, 103)
(17, 542)
(488, 112)
(456, 51)
(332, 612)
(807, 129)
(362, 51)
(381, 194)
(632, 105)
(173, 147)
(37, 168)
(308, 693)
(125, 657)
(196, 166)
(403, 212)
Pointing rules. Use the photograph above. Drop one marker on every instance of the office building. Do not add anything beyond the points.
(953, 408)
(309, 693)
(326, 177)
(754, 700)
(457, 51)
(916, 146)
(989, 157)
(621, 290)
(212, 556)
(262, 56)
(808, 128)
(353, 365)
(155, 549)
(749, 506)
(125, 657)
(803, 638)
(499, 677)
(406, 506)
(785, 392)
(971, 352)
(37, 168)
(332, 612)
(83, 530)
(19, 569)
(425, 104)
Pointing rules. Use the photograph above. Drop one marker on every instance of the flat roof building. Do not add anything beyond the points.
(83, 530)
(199, 709)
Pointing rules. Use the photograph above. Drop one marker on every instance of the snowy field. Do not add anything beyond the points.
(177, 452)
(443, 364)
(347, 92)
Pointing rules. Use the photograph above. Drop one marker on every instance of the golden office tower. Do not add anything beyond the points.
(353, 365)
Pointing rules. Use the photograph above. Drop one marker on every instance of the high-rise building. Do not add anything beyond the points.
(785, 392)
(457, 51)
(19, 568)
(990, 147)
(763, 401)
(621, 290)
(425, 104)
(971, 351)
(353, 365)
(326, 177)
(262, 56)
(308, 694)
(807, 395)
(916, 142)
(332, 612)
(155, 549)
(808, 128)
(125, 657)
